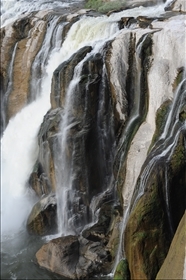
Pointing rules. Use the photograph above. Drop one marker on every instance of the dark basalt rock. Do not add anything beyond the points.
(42, 179)
(100, 230)
(42, 219)
(63, 75)
(39, 181)
(127, 22)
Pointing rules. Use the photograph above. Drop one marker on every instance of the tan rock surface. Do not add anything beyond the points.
(173, 265)
(25, 53)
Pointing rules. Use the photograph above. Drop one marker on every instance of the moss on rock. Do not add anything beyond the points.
(105, 6)
(146, 237)
(122, 271)
(161, 116)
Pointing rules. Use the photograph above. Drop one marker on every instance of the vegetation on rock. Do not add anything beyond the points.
(147, 236)
(122, 271)
(161, 116)
(105, 6)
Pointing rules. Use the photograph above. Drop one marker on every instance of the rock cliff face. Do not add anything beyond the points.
(174, 262)
(20, 44)
(111, 145)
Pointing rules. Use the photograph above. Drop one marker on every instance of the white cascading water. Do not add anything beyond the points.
(93, 32)
(19, 141)
(19, 153)
(9, 87)
(87, 31)
(170, 138)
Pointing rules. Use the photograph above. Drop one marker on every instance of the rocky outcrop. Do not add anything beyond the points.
(60, 256)
(43, 177)
(131, 100)
(43, 217)
(74, 257)
(21, 60)
(156, 215)
(176, 6)
(173, 266)
(62, 77)
(20, 43)
(147, 236)
(110, 137)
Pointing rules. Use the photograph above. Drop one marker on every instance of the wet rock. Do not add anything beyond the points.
(153, 221)
(100, 230)
(39, 181)
(29, 35)
(145, 22)
(74, 257)
(60, 256)
(147, 236)
(62, 77)
(42, 180)
(42, 219)
(127, 22)
(176, 6)
(173, 265)
(94, 259)
(122, 271)
(177, 181)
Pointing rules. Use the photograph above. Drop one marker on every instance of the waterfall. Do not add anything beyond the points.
(51, 42)
(12, 10)
(70, 220)
(93, 131)
(19, 159)
(9, 88)
(163, 150)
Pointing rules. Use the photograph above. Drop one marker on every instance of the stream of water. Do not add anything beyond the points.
(19, 142)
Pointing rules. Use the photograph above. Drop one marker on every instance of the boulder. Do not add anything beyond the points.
(74, 257)
(60, 255)
(94, 259)
(42, 219)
